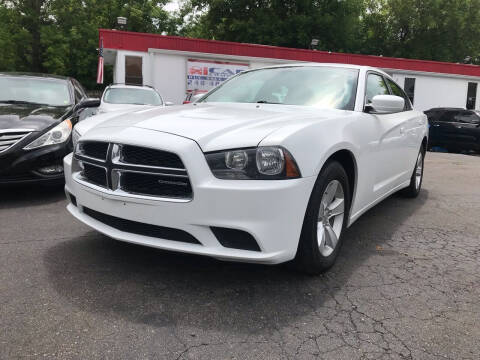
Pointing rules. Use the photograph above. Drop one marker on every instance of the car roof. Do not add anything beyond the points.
(35, 75)
(127, 86)
(315, 64)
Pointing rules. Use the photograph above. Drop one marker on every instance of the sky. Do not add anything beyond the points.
(172, 6)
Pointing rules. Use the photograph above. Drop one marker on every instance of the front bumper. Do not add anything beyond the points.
(19, 166)
(272, 211)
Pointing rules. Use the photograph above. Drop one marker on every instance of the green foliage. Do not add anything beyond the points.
(61, 36)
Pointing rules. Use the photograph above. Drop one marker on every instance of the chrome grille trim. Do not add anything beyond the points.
(117, 158)
(10, 137)
(115, 167)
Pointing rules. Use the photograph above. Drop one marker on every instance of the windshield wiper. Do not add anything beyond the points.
(266, 102)
(21, 102)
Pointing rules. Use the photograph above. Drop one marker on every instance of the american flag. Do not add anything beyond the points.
(100, 63)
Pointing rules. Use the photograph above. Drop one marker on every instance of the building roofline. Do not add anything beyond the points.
(133, 41)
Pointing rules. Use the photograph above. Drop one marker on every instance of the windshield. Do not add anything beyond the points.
(132, 96)
(52, 92)
(325, 87)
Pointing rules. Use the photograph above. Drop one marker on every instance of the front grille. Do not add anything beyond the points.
(94, 149)
(150, 157)
(139, 228)
(156, 185)
(94, 174)
(10, 137)
(134, 170)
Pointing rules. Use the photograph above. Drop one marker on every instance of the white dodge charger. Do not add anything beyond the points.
(269, 167)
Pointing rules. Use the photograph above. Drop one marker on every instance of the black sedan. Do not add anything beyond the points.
(454, 129)
(37, 114)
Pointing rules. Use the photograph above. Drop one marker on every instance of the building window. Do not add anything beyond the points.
(133, 70)
(410, 88)
(471, 95)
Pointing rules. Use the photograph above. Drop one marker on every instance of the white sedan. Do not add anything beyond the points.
(270, 167)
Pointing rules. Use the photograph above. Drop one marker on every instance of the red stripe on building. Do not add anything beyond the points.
(125, 40)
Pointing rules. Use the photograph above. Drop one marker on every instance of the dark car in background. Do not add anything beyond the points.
(454, 129)
(37, 114)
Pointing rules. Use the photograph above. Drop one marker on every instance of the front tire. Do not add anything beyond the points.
(325, 220)
(416, 180)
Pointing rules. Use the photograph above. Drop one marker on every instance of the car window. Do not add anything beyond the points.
(375, 86)
(48, 91)
(319, 86)
(448, 115)
(468, 117)
(79, 91)
(132, 96)
(397, 90)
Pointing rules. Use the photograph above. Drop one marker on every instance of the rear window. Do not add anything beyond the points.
(132, 96)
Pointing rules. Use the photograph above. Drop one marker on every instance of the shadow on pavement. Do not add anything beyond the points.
(161, 289)
(16, 196)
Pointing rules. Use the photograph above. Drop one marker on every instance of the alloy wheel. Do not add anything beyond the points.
(419, 171)
(330, 217)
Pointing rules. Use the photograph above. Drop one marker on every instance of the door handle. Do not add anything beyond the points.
(402, 130)
(436, 125)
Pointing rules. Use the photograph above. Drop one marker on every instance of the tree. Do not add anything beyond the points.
(291, 23)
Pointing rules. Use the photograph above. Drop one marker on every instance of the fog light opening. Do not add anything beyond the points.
(51, 169)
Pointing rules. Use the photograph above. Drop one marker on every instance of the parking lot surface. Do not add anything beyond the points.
(406, 285)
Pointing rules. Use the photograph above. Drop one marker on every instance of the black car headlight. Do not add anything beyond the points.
(261, 163)
(57, 135)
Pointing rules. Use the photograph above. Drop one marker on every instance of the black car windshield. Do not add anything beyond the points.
(53, 92)
(319, 86)
(132, 96)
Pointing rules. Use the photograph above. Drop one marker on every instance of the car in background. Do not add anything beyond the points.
(83, 126)
(454, 129)
(271, 166)
(121, 97)
(37, 114)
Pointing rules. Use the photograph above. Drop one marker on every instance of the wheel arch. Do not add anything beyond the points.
(424, 144)
(347, 159)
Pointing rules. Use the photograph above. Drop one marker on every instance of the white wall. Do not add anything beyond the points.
(166, 71)
(169, 76)
(119, 66)
(438, 91)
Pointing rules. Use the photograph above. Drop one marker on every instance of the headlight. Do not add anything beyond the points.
(57, 135)
(262, 163)
(75, 136)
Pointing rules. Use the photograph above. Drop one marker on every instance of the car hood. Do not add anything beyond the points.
(29, 116)
(216, 126)
(85, 125)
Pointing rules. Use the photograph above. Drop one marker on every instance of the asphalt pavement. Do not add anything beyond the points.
(406, 286)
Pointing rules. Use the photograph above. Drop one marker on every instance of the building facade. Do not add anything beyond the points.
(176, 66)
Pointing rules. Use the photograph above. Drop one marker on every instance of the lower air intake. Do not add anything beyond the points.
(235, 239)
(139, 228)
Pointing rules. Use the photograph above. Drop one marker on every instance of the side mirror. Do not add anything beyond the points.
(87, 103)
(384, 104)
(169, 103)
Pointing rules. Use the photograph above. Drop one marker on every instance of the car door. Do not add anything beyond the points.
(413, 126)
(392, 145)
(467, 130)
(447, 131)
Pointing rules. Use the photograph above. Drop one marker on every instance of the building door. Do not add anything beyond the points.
(133, 70)
(471, 95)
(410, 88)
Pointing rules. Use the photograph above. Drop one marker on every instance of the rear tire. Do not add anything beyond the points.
(416, 180)
(325, 220)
